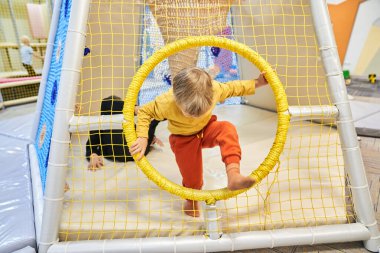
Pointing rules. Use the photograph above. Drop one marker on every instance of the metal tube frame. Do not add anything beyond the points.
(365, 230)
(57, 165)
(212, 222)
(103, 122)
(20, 83)
(18, 102)
(228, 242)
(350, 147)
(38, 195)
(35, 171)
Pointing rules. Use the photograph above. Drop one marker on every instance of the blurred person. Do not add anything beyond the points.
(27, 54)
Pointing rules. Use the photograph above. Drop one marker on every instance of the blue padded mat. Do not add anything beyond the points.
(16, 204)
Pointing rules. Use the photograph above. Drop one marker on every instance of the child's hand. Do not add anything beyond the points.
(137, 109)
(96, 162)
(77, 109)
(139, 146)
(261, 80)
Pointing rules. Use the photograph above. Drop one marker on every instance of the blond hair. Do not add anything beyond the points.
(192, 89)
(25, 39)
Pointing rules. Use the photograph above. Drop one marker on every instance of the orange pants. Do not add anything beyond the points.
(188, 149)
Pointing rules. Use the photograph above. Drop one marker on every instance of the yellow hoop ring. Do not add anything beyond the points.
(209, 196)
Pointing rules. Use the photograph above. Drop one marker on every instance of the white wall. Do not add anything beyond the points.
(368, 13)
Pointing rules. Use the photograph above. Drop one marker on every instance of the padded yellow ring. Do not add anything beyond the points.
(210, 196)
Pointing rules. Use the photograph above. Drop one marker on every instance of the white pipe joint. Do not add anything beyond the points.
(298, 113)
(211, 220)
(102, 122)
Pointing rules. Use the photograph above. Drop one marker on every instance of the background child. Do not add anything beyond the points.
(27, 54)
(111, 143)
(188, 109)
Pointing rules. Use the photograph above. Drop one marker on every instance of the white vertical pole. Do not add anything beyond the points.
(45, 70)
(351, 151)
(57, 166)
(38, 195)
(211, 220)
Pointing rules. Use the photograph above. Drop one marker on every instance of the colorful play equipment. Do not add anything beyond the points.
(210, 196)
(313, 189)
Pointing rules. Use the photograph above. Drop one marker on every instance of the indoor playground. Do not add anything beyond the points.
(75, 75)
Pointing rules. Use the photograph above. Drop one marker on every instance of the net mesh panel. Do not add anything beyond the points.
(18, 92)
(307, 188)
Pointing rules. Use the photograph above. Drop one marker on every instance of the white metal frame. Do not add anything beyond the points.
(350, 146)
(38, 195)
(34, 166)
(228, 242)
(59, 148)
(365, 229)
(103, 122)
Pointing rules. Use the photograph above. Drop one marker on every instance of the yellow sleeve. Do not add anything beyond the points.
(235, 88)
(145, 115)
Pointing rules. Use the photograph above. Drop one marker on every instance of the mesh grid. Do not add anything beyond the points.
(17, 92)
(307, 188)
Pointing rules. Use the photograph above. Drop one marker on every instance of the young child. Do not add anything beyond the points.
(188, 109)
(111, 143)
(27, 54)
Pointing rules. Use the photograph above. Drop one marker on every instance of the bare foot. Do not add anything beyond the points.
(191, 208)
(236, 181)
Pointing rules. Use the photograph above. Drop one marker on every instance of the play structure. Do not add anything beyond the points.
(20, 90)
(297, 134)
(17, 19)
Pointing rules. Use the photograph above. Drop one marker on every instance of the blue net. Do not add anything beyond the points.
(45, 127)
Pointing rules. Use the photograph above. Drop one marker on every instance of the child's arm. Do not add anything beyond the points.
(261, 80)
(146, 114)
(37, 55)
(144, 117)
(33, 53)
(93, 153)
(241, 87)
(92, 144)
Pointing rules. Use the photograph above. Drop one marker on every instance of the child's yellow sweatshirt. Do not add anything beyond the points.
(165, 107)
